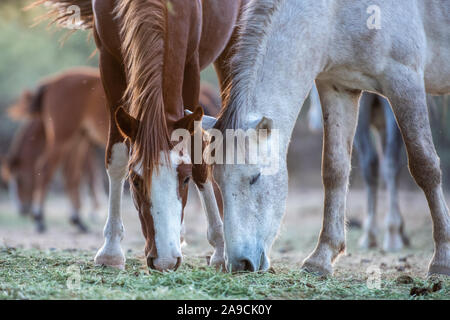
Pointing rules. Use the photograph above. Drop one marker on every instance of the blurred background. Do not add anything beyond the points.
(30, 53)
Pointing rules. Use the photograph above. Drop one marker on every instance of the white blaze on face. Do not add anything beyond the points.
(166, 207)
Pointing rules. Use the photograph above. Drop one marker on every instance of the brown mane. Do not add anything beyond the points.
(143, 29)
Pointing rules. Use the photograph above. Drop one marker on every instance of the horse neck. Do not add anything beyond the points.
(287, 61)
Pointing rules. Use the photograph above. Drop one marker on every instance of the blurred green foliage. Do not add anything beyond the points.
(28, 53)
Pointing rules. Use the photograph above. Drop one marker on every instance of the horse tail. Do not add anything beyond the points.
(67, 13)
(142, 32)
(29, 104)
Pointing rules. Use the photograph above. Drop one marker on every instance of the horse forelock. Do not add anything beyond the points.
(254, 28)
(142, 32)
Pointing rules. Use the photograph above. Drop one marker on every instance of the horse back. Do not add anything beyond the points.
(75, 99)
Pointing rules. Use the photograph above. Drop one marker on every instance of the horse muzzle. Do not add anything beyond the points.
(164, 263)
(248, 261)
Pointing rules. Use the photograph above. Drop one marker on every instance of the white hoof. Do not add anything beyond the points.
(110, 256)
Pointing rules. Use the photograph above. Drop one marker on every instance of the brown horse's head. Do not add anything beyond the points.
(161, 210)
(18, 166)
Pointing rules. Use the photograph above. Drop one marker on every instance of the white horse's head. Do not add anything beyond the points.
(253, 189)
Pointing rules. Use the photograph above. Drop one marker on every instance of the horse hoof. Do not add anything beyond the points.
(82, 227)
(439, 269)
(76, 221)
(368, 241)
(317, 267)
(41, 228)
(393, 242)
(217, 262)
(440, 264)
(115, 260)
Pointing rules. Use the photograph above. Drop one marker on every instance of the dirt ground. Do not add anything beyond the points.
(296, 240)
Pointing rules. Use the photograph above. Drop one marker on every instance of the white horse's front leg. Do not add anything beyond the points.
(340, 113)
(111, 253)
(215, 224)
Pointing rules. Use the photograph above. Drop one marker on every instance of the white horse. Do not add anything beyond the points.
(398, 49)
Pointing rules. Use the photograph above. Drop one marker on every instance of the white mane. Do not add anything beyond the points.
(256, 25)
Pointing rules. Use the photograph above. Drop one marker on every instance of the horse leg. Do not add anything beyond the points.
(368, 160)
(72, 188)
(46, 168)
(406, 92)
(213, 212)
(394, 238)
(340, 114)
(94, 184)
(117, 157)
(72, 175)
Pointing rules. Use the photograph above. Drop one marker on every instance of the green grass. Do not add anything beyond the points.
(34, 274)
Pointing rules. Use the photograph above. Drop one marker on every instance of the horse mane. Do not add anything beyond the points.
(60, 12)
(142, 31)
(249, 50)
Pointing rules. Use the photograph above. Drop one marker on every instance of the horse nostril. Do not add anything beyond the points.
(248, 265)
(243, 265)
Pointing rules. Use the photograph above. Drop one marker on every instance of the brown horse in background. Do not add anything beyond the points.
(151, 55)
(78, 166)
(68, 106)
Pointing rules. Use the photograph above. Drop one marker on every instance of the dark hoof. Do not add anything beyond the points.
(41, 228)
(80, 225)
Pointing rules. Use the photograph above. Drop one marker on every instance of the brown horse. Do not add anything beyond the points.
(151, 55)
(19, 170)
(67, 105)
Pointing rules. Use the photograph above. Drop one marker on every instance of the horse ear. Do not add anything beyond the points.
(190, 120)
(265, 124)
(128, 126)
(207, 121)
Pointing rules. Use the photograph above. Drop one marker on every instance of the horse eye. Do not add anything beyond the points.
(255, 178)
(186, 181)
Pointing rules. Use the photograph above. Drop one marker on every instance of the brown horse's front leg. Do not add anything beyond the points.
(46, 168)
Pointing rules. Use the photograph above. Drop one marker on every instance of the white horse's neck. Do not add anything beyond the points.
(273, 73)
